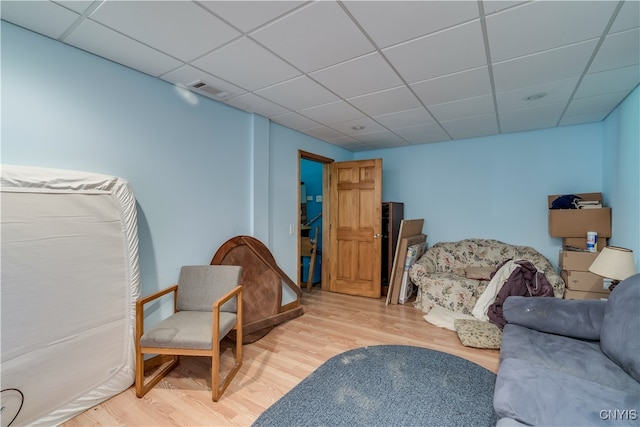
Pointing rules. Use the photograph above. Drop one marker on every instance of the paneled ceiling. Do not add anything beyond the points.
(370, 74)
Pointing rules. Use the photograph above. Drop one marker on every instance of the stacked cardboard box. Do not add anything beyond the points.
(572, 225)
(576, 222)
(579, 281)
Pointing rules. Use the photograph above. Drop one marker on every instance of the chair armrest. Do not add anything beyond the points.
(216, 313)
(143, 301)
(140, 307)
(573, 318)
(226, 297)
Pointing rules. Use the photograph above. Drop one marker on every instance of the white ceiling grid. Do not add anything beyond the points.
(371, 74)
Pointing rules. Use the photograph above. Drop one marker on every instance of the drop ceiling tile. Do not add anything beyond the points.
(469, 127)
(380, 145)
(347, 128)
(314, 37)
(558, 91)
(493, 6)
(405, 118)
(79, 6)
(42, 17)
(618, 50)
(180, 29)
(628, 17)
(295, 121)
(298, 93)
(548, 66)
(334, 112)
(345, 141)
(187, 75)
(584, 118)
(386, 101)
(477, 106)
(109, 44)
(540, 26)
(597, 103)
(248, 15)
(616, 80)
(358, 148)
(422, 134)
(382, 138)
(324, 133)
(366, 74)
(445, 52)
(524, 119)
(254, 104)
(237, 63)
(465, 84)
(392, 22)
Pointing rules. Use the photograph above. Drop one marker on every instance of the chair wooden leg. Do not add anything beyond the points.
(217, 393)
(141, 387)
(218, 389)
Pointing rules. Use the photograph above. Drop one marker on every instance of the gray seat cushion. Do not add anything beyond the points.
(620, 334)
(187, 329)
(546, 397)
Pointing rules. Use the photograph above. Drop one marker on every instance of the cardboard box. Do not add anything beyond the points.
(581, 242)
(569, 294)
(576, 222)
(583, 281)
(578, 261)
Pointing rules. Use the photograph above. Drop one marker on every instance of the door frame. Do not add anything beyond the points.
(326, 161)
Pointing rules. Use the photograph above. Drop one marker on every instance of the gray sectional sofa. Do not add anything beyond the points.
(571, 362)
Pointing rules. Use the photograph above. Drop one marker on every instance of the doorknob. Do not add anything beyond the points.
(377, 235)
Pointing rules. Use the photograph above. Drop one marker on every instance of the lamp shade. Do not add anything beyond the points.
(614, 263)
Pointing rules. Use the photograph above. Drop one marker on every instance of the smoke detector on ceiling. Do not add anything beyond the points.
(215, 93)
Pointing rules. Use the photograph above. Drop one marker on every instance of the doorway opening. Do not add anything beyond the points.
(313, 181)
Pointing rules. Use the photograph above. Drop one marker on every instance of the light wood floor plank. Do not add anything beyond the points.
(332, 323)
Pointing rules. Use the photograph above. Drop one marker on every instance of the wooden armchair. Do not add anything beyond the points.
(207, 306)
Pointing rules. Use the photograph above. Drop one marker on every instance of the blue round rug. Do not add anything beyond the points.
(389, 385)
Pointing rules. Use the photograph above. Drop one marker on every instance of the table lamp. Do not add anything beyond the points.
(614, 263)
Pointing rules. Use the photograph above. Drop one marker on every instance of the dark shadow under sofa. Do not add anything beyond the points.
(571, 362)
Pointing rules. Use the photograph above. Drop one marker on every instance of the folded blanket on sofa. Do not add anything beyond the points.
(488, 297)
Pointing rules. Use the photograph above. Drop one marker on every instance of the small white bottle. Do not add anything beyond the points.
(592, 241)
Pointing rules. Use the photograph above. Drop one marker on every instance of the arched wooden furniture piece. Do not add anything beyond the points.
(262, 282)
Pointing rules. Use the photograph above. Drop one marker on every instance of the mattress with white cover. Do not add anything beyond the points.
(70, 279)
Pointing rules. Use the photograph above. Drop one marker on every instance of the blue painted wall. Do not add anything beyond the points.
(311, 175)
(621, 173)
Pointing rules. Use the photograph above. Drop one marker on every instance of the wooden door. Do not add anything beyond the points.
(355, 227)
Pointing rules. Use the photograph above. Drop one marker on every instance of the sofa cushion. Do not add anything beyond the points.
(620, 336)
(541, 396)
(451, 291)
(479, 273)
(578, 358)
(478, 333)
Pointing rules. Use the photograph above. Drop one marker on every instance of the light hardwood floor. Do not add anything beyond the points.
(332, 324)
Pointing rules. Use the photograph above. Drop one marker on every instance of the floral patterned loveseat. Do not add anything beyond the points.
(441, 278)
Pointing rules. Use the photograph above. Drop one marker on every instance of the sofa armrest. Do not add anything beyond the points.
(573, 318)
